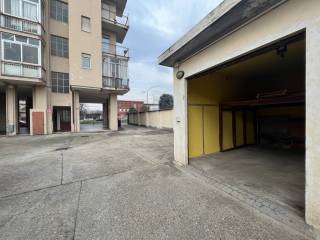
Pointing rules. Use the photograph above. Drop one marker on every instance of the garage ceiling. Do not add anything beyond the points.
(269, 63)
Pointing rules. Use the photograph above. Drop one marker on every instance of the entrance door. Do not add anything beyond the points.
(38, 123)
(61, 119)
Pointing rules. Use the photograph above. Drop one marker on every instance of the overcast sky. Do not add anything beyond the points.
(154, 26)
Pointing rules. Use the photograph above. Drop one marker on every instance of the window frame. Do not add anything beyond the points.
(89, 21)
(63, 55)
(55, 17)
(86, 56)
(38, 5)
(55, 87)
(27, 44)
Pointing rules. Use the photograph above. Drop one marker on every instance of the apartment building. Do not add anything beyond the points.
(57, 54)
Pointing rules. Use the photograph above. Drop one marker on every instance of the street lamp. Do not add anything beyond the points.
(149, 89)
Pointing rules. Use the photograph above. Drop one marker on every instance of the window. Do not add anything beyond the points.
(12, 51)
(30, 54)
(59, 11)
(59, 46)
(106, 43)
(20, 49)
(85, 24)
(21, 56)
(86, 60)
(60, 82)
(28, 9)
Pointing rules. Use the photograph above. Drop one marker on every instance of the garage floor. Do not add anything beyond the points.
(278, 175)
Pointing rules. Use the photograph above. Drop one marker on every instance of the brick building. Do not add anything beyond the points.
(124, 107)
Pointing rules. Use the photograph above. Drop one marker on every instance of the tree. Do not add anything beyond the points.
(166, 102)
(145, 108)
(83, 110)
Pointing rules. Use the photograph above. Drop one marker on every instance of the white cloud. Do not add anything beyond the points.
(164, 21)
(145, 75)
(173, 18)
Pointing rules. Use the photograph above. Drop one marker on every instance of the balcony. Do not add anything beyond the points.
(115, 68)
(115, 50)
(20, 24)
(120, 5)
(113, 23)
(13, 69)
(116, 83)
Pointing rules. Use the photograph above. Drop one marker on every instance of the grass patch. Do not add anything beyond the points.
(90, 122)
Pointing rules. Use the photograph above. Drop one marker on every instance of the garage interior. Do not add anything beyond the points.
(246, 122)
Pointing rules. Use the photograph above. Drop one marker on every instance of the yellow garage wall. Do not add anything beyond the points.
(239, 128)
(211, 129)
(227, 130)
(195, 135)
(210, 89)
(242, 81)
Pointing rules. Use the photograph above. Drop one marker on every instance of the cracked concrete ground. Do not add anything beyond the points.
(119, 185)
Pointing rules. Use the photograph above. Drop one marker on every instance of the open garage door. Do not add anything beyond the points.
(246, 122)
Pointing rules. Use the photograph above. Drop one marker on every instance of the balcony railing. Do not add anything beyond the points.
(115, 50)
(20, 24)
(116, 83)
(111, 16)
(14, 69)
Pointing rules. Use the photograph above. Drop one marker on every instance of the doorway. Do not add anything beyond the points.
(61, 119)
(246, 123)
(2, 112)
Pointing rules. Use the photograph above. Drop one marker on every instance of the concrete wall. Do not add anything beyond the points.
(312, 125)
(84, 42)
(113, 112)
(158, 119)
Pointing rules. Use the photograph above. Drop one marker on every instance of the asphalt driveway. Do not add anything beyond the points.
(116, 186)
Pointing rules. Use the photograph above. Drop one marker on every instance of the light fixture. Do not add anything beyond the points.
(180, 74)
(282, 50)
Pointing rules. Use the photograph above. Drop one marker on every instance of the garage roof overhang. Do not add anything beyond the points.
(226, 18)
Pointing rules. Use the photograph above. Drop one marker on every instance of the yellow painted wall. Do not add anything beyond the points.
(195, 131)
(241, 81)
(211, 129)
(227, 130)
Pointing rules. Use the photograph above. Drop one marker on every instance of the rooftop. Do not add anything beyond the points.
(226, 18)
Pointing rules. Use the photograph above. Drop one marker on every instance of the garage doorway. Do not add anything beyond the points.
(24, 105)
(246, 122)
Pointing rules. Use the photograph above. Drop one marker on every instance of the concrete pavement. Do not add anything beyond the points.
(119, 185)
